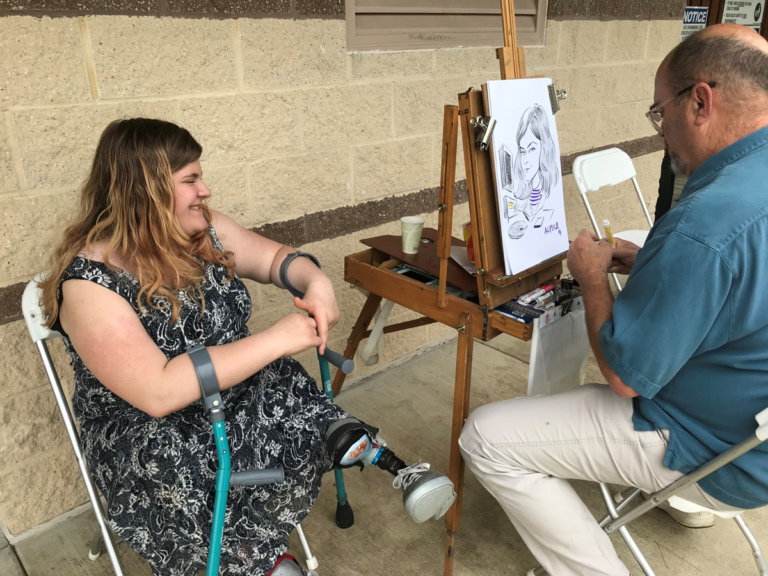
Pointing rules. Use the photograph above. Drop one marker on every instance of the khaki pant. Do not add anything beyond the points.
(522, 449)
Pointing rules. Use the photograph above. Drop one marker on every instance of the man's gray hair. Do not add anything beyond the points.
(735, 65)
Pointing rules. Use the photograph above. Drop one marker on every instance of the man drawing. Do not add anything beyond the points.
(684, 347)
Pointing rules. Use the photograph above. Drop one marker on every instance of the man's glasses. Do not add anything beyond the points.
(654, 114)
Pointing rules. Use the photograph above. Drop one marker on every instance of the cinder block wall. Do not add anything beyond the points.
(304, 142)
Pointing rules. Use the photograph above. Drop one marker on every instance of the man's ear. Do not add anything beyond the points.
(702, 103)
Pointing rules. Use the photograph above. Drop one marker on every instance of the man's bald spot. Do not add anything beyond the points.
(733, 56)
(738, 32)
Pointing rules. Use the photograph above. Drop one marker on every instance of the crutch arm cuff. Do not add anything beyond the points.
(209, 384)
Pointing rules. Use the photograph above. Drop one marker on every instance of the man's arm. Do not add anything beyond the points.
(588, 262)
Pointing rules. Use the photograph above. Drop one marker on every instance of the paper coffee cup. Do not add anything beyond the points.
(412, 226)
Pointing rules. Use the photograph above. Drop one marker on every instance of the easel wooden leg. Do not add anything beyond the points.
(366, 315)
(460, 413)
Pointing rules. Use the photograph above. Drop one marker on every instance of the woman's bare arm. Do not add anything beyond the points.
(259, 259)
(110, 339)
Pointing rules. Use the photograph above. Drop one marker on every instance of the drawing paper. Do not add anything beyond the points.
(525, 156)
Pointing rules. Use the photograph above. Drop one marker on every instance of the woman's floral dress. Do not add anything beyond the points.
(158, 474)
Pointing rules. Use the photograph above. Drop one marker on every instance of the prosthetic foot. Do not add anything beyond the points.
(426, 494)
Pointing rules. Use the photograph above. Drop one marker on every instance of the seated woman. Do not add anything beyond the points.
(147, 272)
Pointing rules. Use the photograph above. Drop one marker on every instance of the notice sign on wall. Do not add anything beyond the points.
(744, 12)
(694, 19)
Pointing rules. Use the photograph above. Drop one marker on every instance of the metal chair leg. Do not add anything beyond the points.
(621, 505)
(94, 548)
(539, 571)
(74, 438)
(757, 554)
(633, 547)
(310, 558)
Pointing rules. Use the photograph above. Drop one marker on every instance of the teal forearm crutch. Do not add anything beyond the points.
(214, 409)
(344, 515)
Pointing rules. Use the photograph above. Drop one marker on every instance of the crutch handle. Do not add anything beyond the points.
(344, 364)
(257, 477)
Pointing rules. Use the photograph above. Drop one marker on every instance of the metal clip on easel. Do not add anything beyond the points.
(484, 126)
(555, 96)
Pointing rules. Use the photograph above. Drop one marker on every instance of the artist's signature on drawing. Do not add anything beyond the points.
(553, 228)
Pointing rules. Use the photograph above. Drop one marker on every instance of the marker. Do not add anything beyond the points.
(530, 296)
(544, 299)
(607, 227)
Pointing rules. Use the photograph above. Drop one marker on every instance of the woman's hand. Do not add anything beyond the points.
(320, 302)
(623, 257)
(295, 333)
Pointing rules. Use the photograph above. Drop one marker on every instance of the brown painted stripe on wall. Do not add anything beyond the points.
(616, 9)
(178, 8)
(10, 302)
(348, 219)
(328, 9)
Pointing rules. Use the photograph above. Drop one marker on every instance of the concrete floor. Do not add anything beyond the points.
(412, 405)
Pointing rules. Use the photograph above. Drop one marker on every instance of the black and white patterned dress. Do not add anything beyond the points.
(158, 474)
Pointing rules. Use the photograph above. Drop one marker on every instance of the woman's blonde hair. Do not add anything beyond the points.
(128, 201)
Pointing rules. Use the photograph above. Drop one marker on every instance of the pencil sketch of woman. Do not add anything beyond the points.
(536, 167)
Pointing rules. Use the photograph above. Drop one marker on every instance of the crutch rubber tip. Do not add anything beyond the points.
(344, 516)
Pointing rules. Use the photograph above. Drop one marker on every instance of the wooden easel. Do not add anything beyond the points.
(370, 269)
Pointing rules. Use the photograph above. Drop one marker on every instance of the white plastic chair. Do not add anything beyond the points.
(609, 168)
(33, 315)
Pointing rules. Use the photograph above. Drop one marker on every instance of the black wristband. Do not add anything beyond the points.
(284, 270)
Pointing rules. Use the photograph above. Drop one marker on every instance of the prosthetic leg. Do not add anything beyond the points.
(426, 494)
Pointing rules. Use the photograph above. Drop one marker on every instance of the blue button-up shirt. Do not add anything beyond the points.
(689, 331)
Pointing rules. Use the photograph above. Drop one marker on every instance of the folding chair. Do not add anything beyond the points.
(33, 315)
(609, 168)
(617, 522)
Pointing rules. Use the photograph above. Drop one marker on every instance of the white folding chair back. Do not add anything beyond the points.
(609, 168)
(33, 315)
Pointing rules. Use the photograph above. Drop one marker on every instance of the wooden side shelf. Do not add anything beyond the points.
(370, 270)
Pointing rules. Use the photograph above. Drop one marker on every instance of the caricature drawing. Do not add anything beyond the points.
(535, 168)
(525, 158)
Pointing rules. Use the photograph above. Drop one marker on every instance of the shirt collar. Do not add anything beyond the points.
(705, 173)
